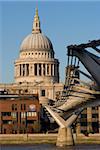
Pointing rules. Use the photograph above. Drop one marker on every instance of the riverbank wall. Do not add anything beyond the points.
(45, 138)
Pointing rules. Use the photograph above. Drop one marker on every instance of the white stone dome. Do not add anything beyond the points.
(36, 41)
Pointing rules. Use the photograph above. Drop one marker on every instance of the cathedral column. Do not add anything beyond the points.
(21, 69)
(18, 70)
(50, 69)
(37, 69)
(25, 70)
(30, 69)
(46, 69)
(53, 70)
(42, 69)
(33, 70)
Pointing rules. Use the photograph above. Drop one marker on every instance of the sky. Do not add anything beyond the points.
(64, 22)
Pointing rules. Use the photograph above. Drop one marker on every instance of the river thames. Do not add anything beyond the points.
(50, 147)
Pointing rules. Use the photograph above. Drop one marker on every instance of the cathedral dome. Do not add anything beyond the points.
(36, 40)
(36, 60)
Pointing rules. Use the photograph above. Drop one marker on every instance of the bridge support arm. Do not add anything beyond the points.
(65, 135)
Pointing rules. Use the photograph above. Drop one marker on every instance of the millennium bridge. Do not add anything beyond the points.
(79, 94)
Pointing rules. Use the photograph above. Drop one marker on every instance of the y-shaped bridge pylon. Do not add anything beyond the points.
(65, 136)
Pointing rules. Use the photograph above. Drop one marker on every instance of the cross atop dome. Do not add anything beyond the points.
(36, 23)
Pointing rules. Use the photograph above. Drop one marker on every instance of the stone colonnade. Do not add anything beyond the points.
(37, 69)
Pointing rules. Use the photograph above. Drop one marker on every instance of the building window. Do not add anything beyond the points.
(30, 121)
(42, 92)
(36, 24)
(23, 114)
(4, 131)
(83, 123)
(94, 115)
(95, 108)
(23, 122)
(14, 122)
(13, 114)
(31, 114)
(7, 121)
(14, 106)
(23, 106)
(48, 55)
(83, 115)
(6, 113)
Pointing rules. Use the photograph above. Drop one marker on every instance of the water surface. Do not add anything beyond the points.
(50, 147)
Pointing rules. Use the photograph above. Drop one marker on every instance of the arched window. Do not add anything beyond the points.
(36, 24)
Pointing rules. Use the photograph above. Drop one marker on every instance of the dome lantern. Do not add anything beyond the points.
(36, 23)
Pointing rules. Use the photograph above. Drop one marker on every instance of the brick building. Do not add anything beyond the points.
(19, 114)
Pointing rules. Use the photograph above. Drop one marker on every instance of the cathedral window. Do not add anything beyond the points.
(27, 72)
(35, 69)
(43, 69)
(36, 24)
(20, 69)
(23, 69)
(48, 55)
(51, 69)
(48, 69)
(42, 92)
